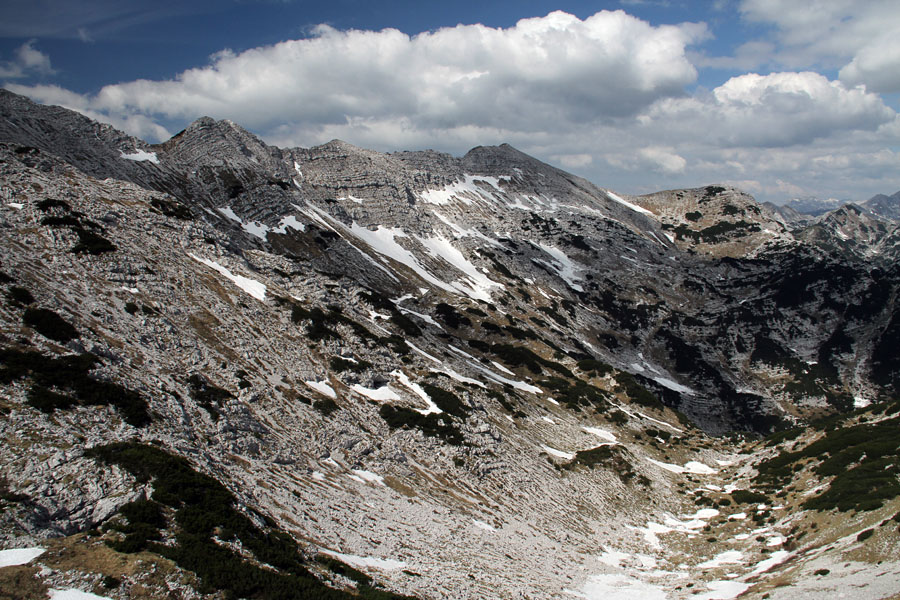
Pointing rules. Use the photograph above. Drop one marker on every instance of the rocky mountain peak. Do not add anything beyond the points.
(719, 220)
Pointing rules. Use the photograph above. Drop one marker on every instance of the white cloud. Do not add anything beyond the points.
(780, 109)
(28, 61)
(663, 159)
(574, 161)
(556, 69)
(863, 37)
(876, 65)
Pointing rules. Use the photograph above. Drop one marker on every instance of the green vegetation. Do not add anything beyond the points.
(693, 216)
(451, 317)
(326, 406)
(71, 376)
(521, 356)
(51, 203)
(446, 401)
(636, 392)
(207, 395)
(863, 460)
(749, 497)
(49, 324)
(320, 324)
(339, 364)
(204, 510)
(578, 394)
(91, 243)
(171, 208)
(432, 425)
(596, 368)
(19, 296)
(715, 233)
(610, 456)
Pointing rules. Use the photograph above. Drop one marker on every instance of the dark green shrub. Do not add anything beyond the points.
(20, 296)
(636, 392)
(597, 368)
(326, 406)
(61, 221)
(49, 324)
(749, 497)
(131, 308)
(451, 317)
(172, 209)
(92, 243)
(432, 425)
(71, 374)
(207, 395)
(51, 203)
(864, 535)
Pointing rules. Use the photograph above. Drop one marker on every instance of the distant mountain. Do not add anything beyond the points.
(887, 207)
(854, 231)
(813, 206)
(787, 215)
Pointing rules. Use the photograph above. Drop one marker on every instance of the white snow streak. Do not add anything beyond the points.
(322, 387)
(386, 564)
(624, 202)
(251, 286)
(140, 156)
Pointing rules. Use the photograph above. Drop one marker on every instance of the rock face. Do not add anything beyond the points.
(464, 375)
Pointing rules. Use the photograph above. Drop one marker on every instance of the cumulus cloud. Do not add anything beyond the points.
(876, 65)
(556, 69)
(832, 32)
(28, 61)
(780, 109)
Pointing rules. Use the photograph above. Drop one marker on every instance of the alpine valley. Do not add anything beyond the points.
(231, 370)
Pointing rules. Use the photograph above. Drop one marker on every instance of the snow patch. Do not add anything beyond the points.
(617, 587)
(673, 385)
(418, 391)
(19, 556)
(367, 477)
(565, 267)
(557, 453)
(722, 590)
(483, 525)
(601, 433)
(775, 559)
(693, 467)
(140, 156)
(382, 394)
(251, 286)
(322, 387)
(73, 594)
(729, 557)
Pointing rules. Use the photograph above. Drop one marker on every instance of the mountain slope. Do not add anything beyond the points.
(467, 377)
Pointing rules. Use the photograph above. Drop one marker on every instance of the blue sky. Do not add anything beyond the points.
(781, 98)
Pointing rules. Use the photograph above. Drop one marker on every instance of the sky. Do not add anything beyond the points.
(781, 98)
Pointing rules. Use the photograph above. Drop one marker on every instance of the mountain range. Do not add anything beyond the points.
(236, 370)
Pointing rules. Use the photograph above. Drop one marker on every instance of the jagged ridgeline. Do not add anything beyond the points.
(329, 371)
